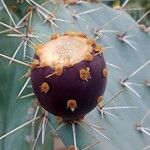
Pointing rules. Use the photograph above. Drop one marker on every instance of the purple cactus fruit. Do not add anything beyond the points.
(69, 75)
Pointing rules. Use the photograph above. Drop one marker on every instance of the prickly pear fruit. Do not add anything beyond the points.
(69, 75)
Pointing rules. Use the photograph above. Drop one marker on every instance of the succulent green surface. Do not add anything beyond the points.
(13, 111)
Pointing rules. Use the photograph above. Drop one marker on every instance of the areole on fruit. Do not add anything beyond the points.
(68, 75)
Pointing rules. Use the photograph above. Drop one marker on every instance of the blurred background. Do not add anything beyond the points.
(136, 8)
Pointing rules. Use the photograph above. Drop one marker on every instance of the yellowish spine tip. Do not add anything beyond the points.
(99, 49)
(35, 64)
(71, 33)
(44, 64)
(117, 7)
(70, 1)
(83, 35)
(99, 99)
(105, 72)
(85, 74)
(58, 71)
(44, 87)
(68, 63)
(91, 42)
(38, 49)
(72, 104)
(54, 36)
(88, 57)
(30, 30)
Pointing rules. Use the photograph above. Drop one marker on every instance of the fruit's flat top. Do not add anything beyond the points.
(64, 50)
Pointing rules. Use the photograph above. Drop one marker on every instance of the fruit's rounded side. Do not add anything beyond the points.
(71, 95)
